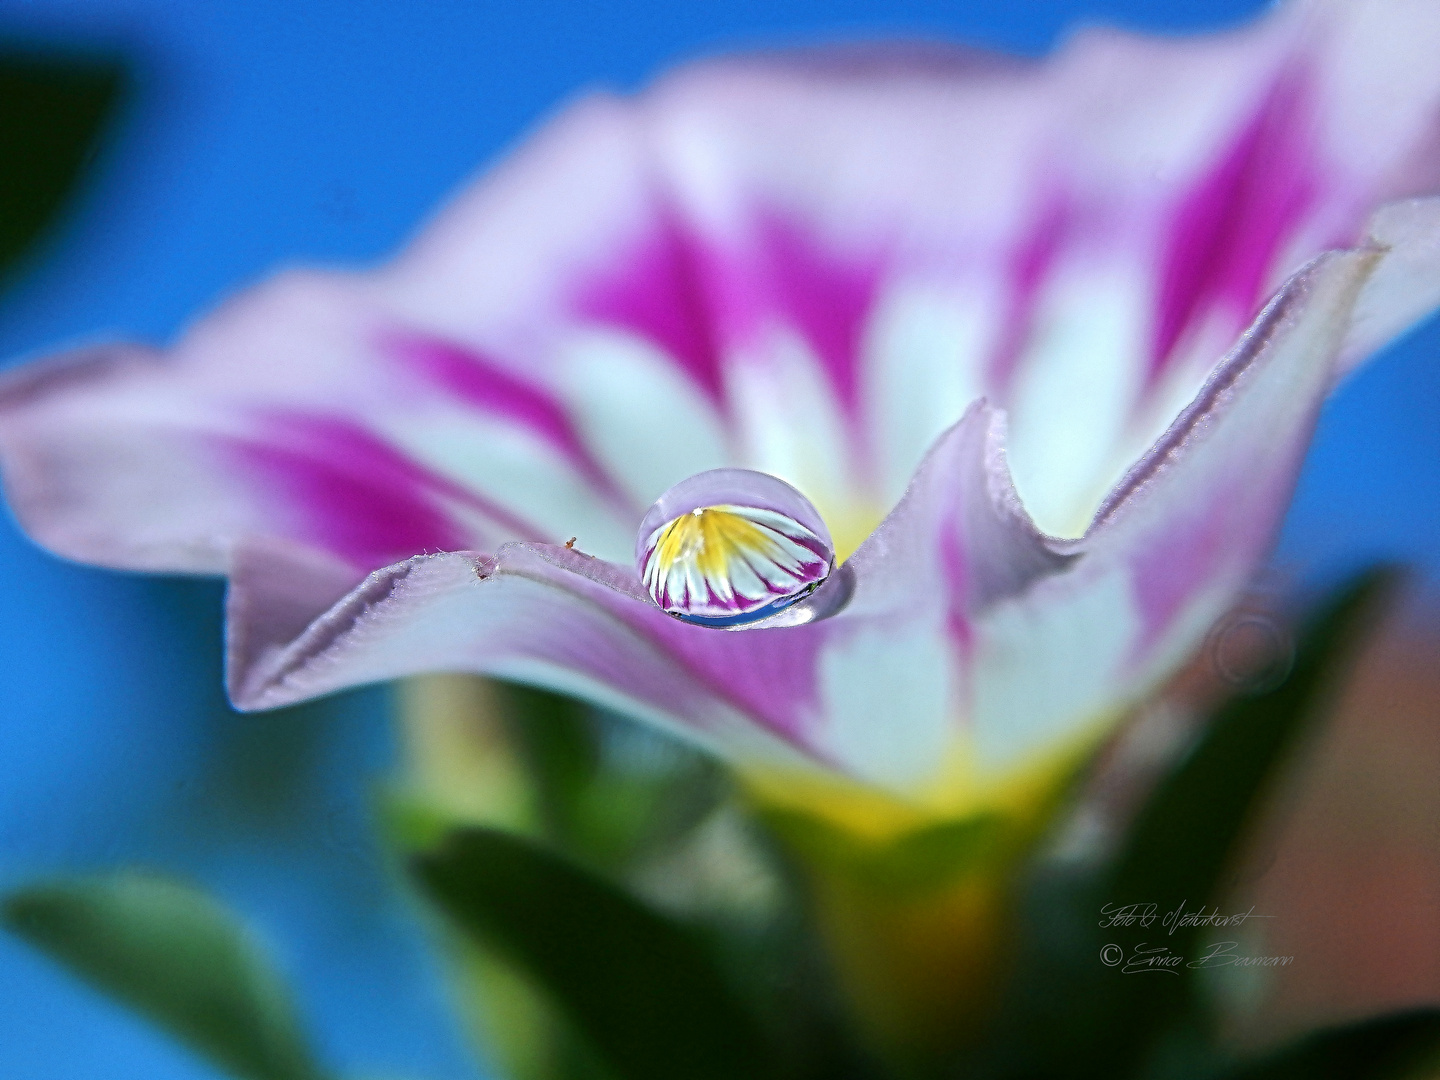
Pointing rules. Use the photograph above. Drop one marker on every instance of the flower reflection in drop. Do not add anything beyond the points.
(730, 548)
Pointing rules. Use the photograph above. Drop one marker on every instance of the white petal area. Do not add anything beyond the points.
(1047, 662)
(1159, 404)
(959, 540)
(1074, 394)
(790, 425)
(646, 423)
(1056, 651)
(889, 703)
(564, 199)
(108, 461)
(1379, 63)
(922, 372)
(740, 580)
(515, 469)
(1196, 514)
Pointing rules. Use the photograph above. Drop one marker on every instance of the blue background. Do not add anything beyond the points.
(270, 131)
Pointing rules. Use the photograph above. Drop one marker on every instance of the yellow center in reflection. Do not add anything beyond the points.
(711, 539)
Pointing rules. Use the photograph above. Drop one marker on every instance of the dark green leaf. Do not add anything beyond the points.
(1100, 1021)
(610, 791)
(175, 955)
(51, 114)
(1186, 835)
(1388, 1047)
(640, 987)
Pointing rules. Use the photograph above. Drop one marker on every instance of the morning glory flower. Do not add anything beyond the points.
(964, 393)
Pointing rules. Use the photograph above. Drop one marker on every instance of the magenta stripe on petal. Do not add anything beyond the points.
(1230, 227)
(695, 300)
(827, 298)
(1232, 528)
(1029, 267)
(360, 498)
(660, 295)
(485, 385)
(953, 565)
(768, 674)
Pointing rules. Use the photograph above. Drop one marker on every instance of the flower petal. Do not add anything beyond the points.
(808, 266)
(829, 310)
(102, 467)
(1405, 286)
(557, 617)
(1050, 638)
(966, 640)
(533, 613)
(1175, 542)
(821, 313)
(305, 412)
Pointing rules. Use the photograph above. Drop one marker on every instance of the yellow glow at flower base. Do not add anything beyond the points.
(913, 898)
(921, 972)
(957, 790)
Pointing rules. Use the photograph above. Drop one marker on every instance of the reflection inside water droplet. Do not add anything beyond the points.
(731, 548)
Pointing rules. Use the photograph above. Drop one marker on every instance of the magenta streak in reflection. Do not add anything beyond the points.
(1228, 229)
(485, 385)
(806, 573)
(359, 497)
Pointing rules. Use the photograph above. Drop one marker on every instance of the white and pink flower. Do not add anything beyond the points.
(1042, 343)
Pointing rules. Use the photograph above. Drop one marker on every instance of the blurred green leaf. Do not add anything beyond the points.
(52, 112)
(641, 988)
(610, 791)
(1390, 1047)
(1099, 1021)
(174, 954)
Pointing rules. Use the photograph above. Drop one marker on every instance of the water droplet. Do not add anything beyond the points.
(731, 547)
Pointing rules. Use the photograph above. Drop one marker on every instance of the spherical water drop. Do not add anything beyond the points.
(731, 547)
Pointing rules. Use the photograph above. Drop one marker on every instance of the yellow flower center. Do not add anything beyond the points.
(712, 539)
